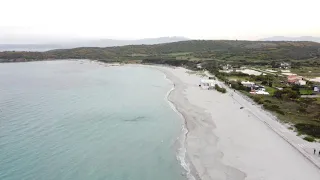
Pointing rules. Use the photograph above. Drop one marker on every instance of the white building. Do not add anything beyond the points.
(206, 83)
(247, 83)
(260, 91)
(301, 82)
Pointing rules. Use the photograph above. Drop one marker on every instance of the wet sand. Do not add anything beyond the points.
(225, 142)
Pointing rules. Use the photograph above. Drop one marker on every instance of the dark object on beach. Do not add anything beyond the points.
(314, 151)
(241, 107)
(199, 85)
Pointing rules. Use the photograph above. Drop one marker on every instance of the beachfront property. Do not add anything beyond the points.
(247, 84)
(256, 89)
(295, 79)
(260, 92)
(206, 84)
(292, 79)
(301, 82)
(285, 65)
(227, 67)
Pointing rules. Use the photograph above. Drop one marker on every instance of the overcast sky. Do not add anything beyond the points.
(134, 19)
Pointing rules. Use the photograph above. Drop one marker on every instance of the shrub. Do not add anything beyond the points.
(280, 111)
(264, 82)
(309, 138)
(258, 99)
(310, 129)
(286, 94)
(271, 107)
(220, 89)
(302, 109)
(235, 85)
(267, 101)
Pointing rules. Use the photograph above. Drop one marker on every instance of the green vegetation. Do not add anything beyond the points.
(309, 138)
(286, 94)
(220, 89)
(233, 52)
(308, 69)
(257, 98)
(270, 90)
(306, 91)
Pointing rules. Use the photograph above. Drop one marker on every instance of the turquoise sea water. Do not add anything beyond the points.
(67, 120)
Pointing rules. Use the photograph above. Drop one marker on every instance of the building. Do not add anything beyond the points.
(301, 82)
(227, 67)
(247, 83)
(199, 66)
(285, 65)
(206, 83)
(260, 92)
(294, 79)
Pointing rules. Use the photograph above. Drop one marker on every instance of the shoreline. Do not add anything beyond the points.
(182, 105)
(183, 158)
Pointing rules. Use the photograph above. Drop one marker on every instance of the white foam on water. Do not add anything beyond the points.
(182, 151)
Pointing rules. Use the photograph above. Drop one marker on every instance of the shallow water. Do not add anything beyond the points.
(71, 120)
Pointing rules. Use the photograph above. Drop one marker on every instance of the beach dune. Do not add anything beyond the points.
(225, 142)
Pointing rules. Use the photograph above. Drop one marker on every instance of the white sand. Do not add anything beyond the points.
(225, 142)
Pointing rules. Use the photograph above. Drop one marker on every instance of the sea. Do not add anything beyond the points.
(83, 120)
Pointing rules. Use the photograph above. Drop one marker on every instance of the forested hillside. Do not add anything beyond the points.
(224, 50)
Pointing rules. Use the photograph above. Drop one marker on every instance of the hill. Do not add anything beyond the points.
(221, 50)
(68, 44)
(283, 38)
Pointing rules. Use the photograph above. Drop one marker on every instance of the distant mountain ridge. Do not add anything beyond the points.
(88, 43)
(284, 38)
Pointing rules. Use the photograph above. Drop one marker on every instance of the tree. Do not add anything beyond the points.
(264, 82)
(274, 64)
(286, 93)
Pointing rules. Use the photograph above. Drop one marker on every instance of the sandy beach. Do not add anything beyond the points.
(225, 142)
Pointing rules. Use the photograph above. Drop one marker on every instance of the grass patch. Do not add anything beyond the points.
(305, 91)
(270, 90)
